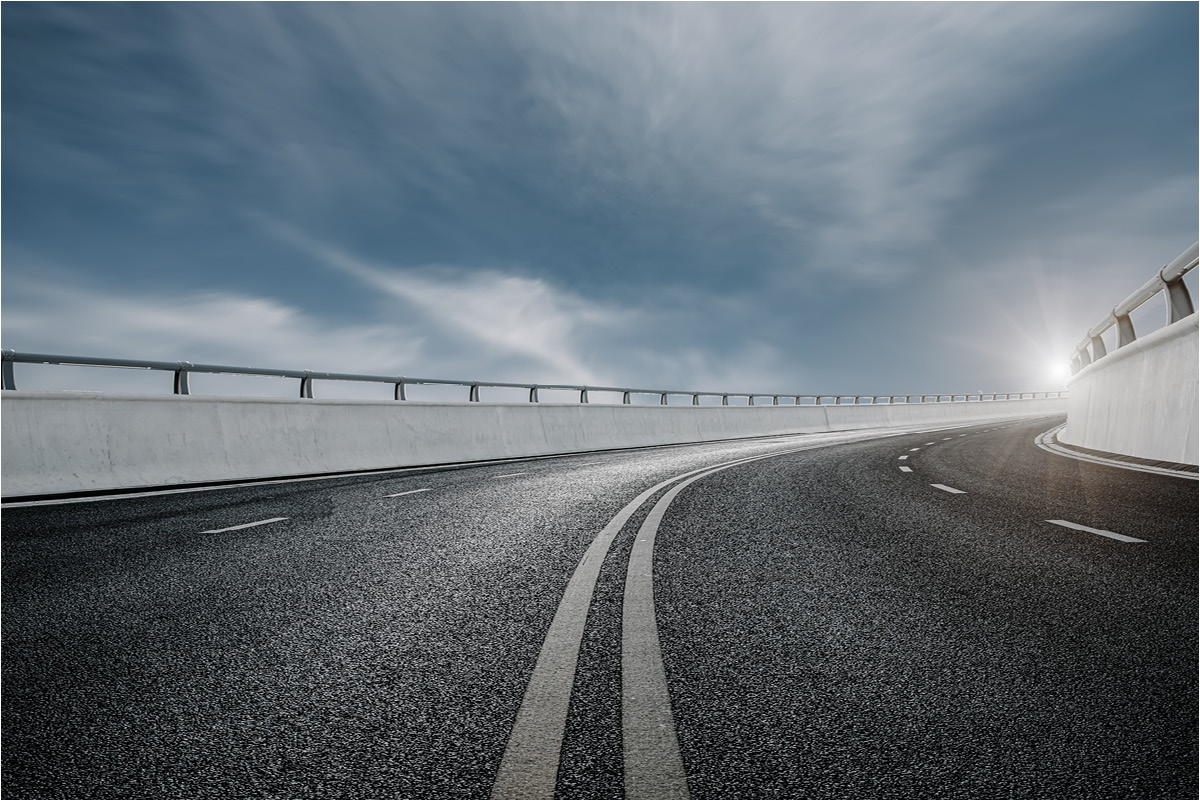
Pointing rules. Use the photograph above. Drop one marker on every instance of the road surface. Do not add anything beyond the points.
(954, 613)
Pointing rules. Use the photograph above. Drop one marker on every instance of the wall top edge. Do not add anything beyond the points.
(83, 396)
(1176, 330)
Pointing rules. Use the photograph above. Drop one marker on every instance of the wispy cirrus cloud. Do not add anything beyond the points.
(809, 136)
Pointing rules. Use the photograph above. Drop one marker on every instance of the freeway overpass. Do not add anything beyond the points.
(900, 596)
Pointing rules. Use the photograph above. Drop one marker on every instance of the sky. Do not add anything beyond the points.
(874, 198)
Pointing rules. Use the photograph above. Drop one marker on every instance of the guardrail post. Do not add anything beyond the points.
(583, 396)
(724, 399)
(306, 386)
(533, 394)
(1179, 301)
(473, 397)
(625, 398)
(181, 378)
(10, 381)
(1125, 335)
(662, 400)
(1099, 351)
(695, 399)
(775, 400)
(399, 393)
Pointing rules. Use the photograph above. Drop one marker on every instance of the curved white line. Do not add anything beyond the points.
(1047, 442)
(529, 766)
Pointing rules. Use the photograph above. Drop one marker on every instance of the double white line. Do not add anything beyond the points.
(653, 765)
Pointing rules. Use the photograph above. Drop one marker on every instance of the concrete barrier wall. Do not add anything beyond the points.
(62, 442)
(1141, 400)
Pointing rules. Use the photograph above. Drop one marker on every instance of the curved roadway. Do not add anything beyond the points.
(876, 614)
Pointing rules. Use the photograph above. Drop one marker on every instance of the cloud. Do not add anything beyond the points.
(434, 323)
(497, 314)
(202, 327)
(845, 128)
(832, 139)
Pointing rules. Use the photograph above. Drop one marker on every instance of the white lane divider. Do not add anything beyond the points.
(946, 488)
(248, 525)
(915, 449)
(902, 458)
(412, 491)
(948, 438)
(906, 469)
(1120, 537)
(529, 767)
(930, 444)
(510, 475)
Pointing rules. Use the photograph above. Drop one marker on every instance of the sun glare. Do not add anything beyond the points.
(1058, 370)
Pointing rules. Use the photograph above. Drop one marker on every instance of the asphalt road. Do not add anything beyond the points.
(825, 625)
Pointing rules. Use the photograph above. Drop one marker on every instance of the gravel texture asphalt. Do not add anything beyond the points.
(830, 625)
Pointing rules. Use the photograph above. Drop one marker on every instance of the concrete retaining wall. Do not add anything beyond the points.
(1141, 400)
(55, 442)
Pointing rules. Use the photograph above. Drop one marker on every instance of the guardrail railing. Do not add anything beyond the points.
(183, 369)
(1179, 305)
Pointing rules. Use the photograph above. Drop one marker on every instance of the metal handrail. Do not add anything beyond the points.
(1179, 306)
(183, 369)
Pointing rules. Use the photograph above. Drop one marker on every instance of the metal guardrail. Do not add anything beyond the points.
(183, 369)
(1179, 305)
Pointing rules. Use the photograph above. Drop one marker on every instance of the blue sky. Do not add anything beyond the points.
(854, 198)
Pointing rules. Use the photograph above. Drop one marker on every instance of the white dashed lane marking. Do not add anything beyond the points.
(413, 491)
(946, 488)
(902, 458)
(248, 525)
(510, 475)
(906, 469)
(915, 449)
(1120, 537)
